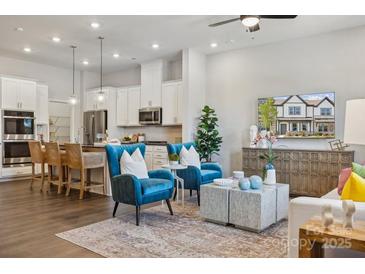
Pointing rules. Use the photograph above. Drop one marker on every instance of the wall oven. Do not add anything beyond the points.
(18, 128)
(150, 116)
(18, 125)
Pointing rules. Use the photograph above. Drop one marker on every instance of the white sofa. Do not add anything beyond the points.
(303, 208)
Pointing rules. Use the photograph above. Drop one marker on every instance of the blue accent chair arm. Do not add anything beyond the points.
(192, 177)
(212, 166)
(161, 174)
(126, 189)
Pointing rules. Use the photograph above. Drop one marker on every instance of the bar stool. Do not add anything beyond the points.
(37, 157)
(83, 161)
(55, 158)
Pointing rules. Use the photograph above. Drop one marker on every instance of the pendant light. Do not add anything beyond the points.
(73, 99)
(101, 95)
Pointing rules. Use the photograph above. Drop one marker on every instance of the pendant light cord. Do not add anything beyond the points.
(101, 63)
(73, 70)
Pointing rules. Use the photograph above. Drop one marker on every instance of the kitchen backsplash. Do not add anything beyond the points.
(157, 133)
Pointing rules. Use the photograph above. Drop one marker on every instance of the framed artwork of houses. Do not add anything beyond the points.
(303, 116)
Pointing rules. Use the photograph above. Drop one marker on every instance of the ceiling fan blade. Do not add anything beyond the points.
(224, 22)
(254, 28)
(278, 16)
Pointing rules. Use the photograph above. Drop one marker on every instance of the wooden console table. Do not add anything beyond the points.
(308, 172)
(312, 237)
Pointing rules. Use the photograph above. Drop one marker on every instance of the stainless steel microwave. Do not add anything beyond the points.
(150, 116)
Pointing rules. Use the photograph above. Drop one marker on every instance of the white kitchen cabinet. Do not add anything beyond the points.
(134, 101)
(128, 105)
(122, 107)
(156, 157)
(42, 115)
(18, 94)
(92, 101)
(172, 103)
(151, 81)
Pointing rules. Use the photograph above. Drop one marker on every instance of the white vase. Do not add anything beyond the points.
(270, 177)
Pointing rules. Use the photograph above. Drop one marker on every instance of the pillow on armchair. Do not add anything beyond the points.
(189, 157)
(354, 188)
(134, 165)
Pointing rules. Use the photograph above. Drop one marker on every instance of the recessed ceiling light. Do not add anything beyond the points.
(19, 29)
(133, 58)
(56, 39)
(155, 46)
(95, 25)
(213, 45)
(26, 49)
(116, 55)
(85, 62)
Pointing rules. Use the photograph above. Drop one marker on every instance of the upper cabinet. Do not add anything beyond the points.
(93, 100)
(128, 105)
(172, 103)
(18, 94)
(42, 105)
(151, 82)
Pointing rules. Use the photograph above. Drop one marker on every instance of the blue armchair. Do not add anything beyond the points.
(128, 189)
(193, 176)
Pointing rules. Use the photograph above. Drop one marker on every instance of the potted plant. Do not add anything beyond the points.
(208, 141)
(174, 159)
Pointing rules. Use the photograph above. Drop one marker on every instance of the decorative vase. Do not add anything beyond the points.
(244, 184)
(255, 182)
(269, 174)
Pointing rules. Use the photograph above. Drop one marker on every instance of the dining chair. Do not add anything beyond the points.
(38, 158)
(55, 159)
(83, 162)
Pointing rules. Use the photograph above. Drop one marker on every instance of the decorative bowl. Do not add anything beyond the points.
(223, 182)
(238, 174)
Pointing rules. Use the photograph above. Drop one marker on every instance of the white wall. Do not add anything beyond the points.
(59, 80)
(127, 77)
(194, 84)
(327, 62)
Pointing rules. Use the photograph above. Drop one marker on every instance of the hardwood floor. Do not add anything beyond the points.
(29, 220)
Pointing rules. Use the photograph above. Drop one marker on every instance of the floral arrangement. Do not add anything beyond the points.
(269, 138)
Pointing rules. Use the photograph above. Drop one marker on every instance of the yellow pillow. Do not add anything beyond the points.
(354, 189)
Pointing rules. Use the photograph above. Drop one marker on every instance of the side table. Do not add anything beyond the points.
(173, 169)
(313, 236)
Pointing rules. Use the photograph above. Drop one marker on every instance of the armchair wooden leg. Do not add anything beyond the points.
(198, 194)
(115, 208)
(169, 206)
(138, 213)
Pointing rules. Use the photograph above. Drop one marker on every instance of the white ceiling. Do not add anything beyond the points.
(132, 36)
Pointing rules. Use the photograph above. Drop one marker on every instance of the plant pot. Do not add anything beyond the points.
(270, 174)
(173, 163)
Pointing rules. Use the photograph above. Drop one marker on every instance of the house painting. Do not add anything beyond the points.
(305, 115)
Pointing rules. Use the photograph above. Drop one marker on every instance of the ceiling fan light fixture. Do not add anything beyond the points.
(250, 20)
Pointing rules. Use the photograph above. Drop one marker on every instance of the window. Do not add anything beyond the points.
(294, 127)
(322, 128)
(304, 127)
(326, 111)
(294, 110)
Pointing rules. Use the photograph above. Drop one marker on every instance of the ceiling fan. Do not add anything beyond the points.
(252, 21)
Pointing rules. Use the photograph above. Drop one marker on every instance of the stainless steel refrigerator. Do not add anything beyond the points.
(95, 126)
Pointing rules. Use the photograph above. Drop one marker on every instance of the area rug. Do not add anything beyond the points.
(184, 235)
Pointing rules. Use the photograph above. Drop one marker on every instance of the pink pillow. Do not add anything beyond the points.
(344, 176)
